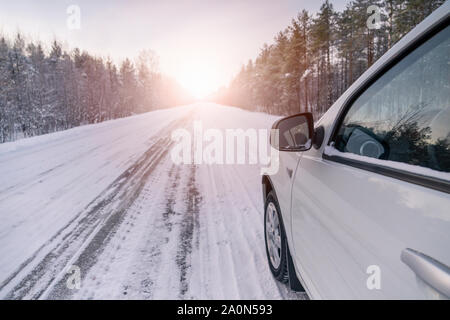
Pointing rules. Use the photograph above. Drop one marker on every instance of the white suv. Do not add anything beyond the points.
(360, 207)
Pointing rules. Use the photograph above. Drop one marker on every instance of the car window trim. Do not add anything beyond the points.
(408, 176)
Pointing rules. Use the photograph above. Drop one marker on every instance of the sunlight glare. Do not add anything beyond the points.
(199, 79)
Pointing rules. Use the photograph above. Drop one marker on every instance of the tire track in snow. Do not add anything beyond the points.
(41, 176)
(159, 253)
(108, 279)
(89, 256)
(189, 231)
(58, 167)
(83, 238)
(172, 238)
(216, 252)
(244, 231)
(152, 258)
(234, 258)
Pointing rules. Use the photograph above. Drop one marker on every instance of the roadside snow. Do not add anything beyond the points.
(48, 180)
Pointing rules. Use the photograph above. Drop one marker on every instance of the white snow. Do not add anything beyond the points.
(181, 231)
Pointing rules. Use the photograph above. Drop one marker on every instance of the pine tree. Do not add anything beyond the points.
(315, 60)
(322, 42)
(42, 93)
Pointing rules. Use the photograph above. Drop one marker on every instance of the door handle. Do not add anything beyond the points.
(432, 272)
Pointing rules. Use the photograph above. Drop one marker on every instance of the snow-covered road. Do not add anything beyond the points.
(108, 201)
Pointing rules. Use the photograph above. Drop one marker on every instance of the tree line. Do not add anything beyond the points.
(43, 91)
(316, 58)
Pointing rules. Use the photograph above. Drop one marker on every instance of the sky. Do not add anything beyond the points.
(200, 43)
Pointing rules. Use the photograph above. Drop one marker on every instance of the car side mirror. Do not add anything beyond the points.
(294, 133)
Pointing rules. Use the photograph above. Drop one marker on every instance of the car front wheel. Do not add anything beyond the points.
(275, 239)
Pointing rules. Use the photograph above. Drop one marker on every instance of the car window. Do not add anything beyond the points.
(405, 115)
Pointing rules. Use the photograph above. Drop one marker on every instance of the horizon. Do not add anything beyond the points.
(200, 45)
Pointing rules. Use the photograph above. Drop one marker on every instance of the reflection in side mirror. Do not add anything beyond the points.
(295, 133)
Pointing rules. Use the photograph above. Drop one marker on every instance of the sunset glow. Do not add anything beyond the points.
(199, 79)
(200, 44)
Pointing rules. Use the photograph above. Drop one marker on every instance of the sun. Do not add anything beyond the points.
(200, 80)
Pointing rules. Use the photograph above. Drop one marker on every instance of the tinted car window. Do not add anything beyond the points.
(405, 115)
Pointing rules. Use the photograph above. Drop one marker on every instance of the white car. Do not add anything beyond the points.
(360, 205)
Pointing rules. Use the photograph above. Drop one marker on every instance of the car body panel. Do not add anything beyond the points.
(282, 184)
(353, 219)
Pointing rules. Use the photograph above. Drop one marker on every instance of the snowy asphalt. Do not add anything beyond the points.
(108, 200)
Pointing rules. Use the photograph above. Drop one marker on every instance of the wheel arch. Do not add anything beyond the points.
(267, 186)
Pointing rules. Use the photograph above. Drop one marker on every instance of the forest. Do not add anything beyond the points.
(307, 67)
(316, 58)
(43, 91)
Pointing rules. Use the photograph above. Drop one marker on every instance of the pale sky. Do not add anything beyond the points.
(201, 43)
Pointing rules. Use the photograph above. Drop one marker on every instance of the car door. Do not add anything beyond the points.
(380, 186)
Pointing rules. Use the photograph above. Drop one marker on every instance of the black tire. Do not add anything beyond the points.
(281, 272)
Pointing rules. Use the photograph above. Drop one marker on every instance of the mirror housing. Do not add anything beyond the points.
(295, 133)
(319, 135)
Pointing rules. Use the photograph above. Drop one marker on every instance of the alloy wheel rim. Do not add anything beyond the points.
(273, 235)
